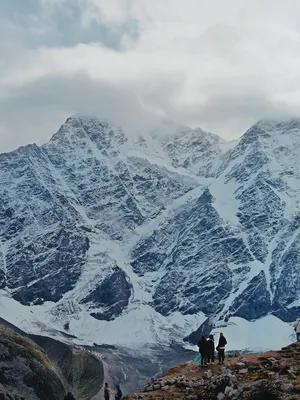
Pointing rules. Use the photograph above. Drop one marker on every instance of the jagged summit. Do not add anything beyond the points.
(282, 125)
(269, 130)
(78, 130)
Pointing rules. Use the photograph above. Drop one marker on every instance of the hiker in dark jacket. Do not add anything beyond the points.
(221, 348)
(106, 391)
(211, 350)
(119, 394)
(202, 344)
(69, 396)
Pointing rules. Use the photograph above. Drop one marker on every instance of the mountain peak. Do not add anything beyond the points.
(266, 131)
(278, 125)
(87, 119)
(79, 129)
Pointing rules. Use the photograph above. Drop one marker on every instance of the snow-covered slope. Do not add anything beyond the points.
(130, 240)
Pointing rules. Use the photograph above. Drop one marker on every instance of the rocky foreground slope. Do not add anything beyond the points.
(25, 371)
(273, 375)
(40, 368)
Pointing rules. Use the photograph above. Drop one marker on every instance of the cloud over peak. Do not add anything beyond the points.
(219, 65)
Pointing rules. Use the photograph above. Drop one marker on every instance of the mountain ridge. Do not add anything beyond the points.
(98, 227)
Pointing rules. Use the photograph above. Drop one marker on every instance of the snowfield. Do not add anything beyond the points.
(141, 326)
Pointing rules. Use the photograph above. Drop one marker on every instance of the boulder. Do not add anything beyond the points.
(287, 387)
(171, 382)
(273, 376)
(191, 397)
(197, 384)
(235, 393)
(291, 374)
(208, 374)
(243, 371)
(228, 390)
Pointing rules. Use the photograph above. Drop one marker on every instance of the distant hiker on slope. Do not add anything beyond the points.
(69, 396)
(297, 328)
(221, 348)
(210, 350)
(106, 391)
(202, 344)
(119, 394)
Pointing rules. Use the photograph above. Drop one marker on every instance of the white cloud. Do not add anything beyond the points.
(220, 65)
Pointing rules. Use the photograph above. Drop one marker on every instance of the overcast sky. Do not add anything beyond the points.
(217, 64)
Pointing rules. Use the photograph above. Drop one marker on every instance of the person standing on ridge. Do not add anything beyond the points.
(297, 329)
(210, 350)
(221, 348)
(106, 391)
(202, 344)
(119, 394)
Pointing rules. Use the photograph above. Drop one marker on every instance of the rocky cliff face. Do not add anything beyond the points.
(100, 231)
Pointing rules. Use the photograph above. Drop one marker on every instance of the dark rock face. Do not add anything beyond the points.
(195, 150)
(254, 302)
(68, 255)
(38, 223)
(284, 272)
(2, 279)
(156, 184)
(204, 329)
(203, 262)
(112, 295)
(262, 208)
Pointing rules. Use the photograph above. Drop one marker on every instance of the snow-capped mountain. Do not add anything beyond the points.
(130, 240)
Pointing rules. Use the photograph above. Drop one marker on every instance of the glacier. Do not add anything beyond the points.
(106, 237)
